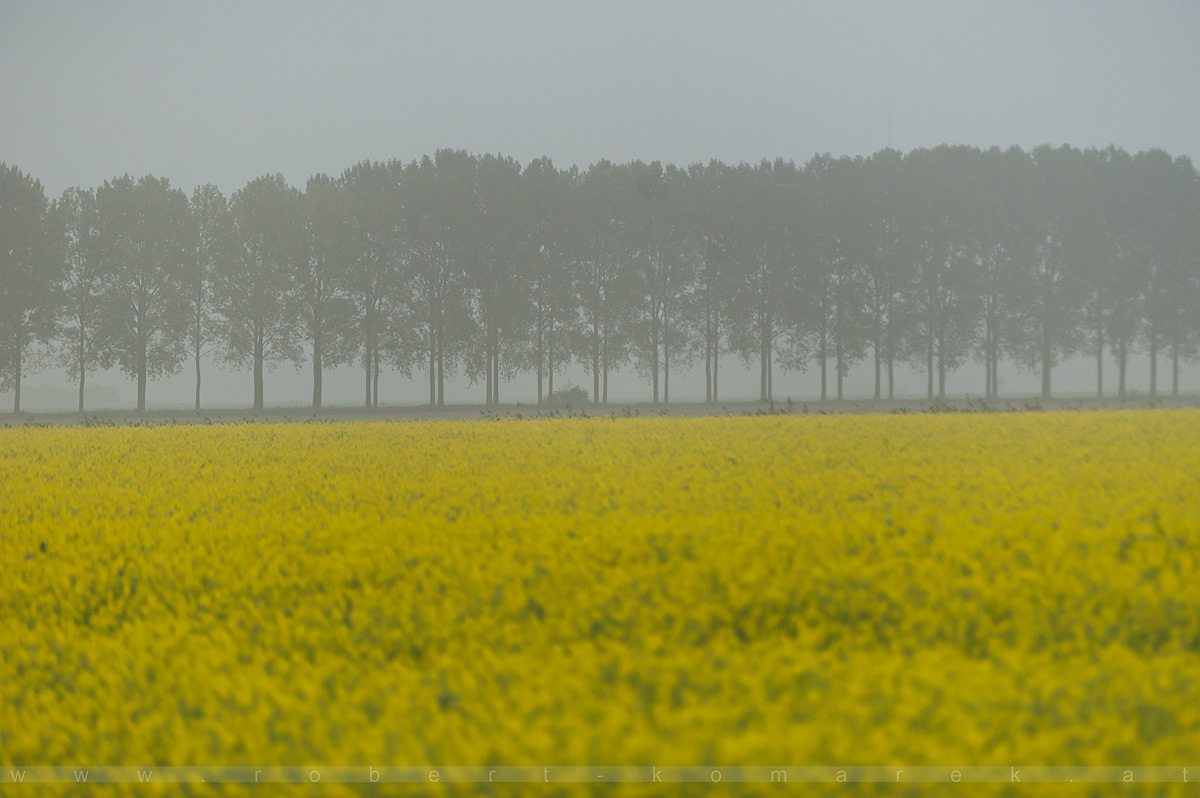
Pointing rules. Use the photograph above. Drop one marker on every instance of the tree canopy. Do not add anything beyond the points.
(459, 263)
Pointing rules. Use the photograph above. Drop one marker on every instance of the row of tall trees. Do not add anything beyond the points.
(476, 265)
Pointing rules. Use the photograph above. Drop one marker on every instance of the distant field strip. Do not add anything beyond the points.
(975, 589)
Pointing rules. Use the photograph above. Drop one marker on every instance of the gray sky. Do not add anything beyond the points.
(226, 91)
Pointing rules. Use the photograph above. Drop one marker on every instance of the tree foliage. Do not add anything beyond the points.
(457, 263)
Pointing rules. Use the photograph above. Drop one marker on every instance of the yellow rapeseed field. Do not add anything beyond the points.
(793, 590)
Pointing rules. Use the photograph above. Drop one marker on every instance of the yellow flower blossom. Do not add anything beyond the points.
(818, 590)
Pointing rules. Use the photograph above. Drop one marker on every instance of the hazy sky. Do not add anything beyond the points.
(223, 92)
(226, 91)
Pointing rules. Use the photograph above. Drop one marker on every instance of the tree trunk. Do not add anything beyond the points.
(493, 356)
(375, 375)
(770, 374)
(197, 380)
(432, 368)
(258, 377)
(595, 374)
(941, 365)
(987, 367)
(762, 370)
(441, 374)
(539, 363)
(878, 363)
(141, 379)
(654, 364)
(840, 354)
(987, 360)
(1100, 358)
(606, 369)
(764, 333)
(929, 366)
(367, 371)
(995, 366)
(1046, 359)
(996, 369)
(550, 360)
(716, 370)
(708, 393)
(837, 344)
(17, 383)
(487, 378)
(316, 396)
(823, 355)
(666, 361)
(550, 357)
(716, 354)
(82, 365)
(891, 367)
(1175, 364)
(666, 375)
(1122, 359)
(1153, 362)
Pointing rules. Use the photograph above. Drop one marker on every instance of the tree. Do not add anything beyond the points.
(603, 341)
(144, 241)
(712, 215)
(555, 240)
(372, 275)
(81, 334)
(437, 205)
(211, 247)
(844, 255)
(498, 247)
(888, 262)
(29, 276)
(1002, 230)
(1165, 190)
(1191, 265)
(767, 306)
(938, 257)
(256, 287)
(1051, 290)
(945, 293)
(1095, 254)
(1125, 283)
(324, 314)
(660, 271)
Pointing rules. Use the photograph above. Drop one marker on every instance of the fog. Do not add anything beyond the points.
(291, 387)
(225, 92)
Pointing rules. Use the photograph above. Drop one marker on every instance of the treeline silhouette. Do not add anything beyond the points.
(458, 263)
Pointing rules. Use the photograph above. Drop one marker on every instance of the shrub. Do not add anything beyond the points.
(569, 396)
